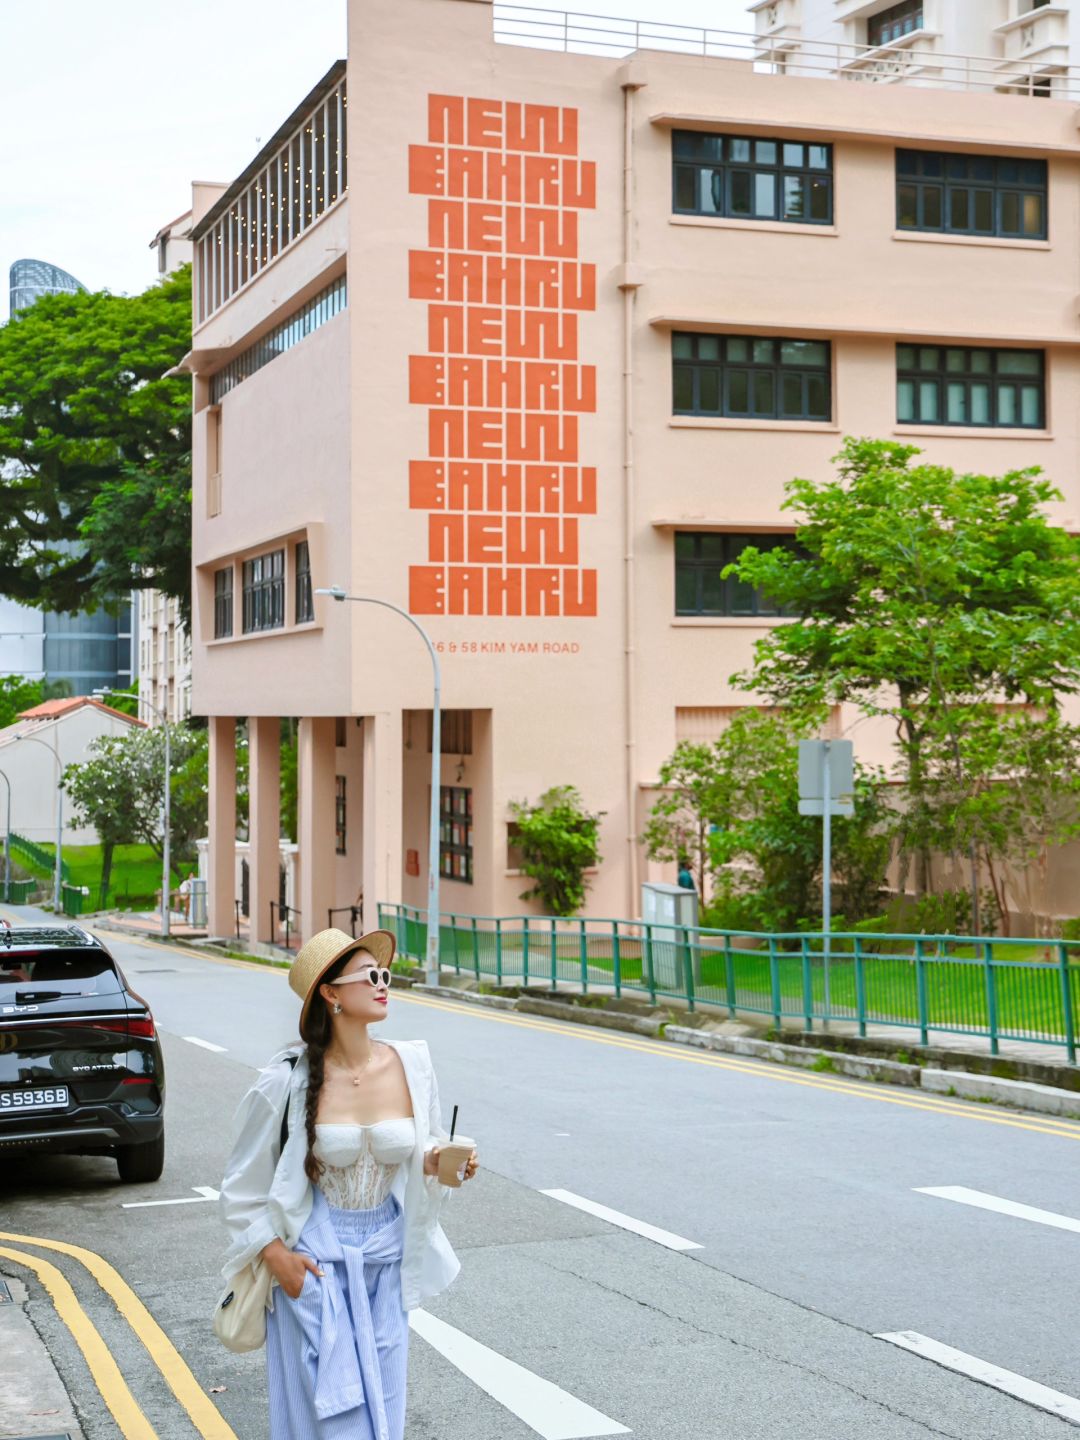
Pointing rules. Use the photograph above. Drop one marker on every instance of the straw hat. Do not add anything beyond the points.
(328, 946)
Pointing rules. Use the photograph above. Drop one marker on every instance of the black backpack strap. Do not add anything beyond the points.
(290, 1060)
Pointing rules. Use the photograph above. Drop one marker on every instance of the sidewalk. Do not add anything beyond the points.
(33, 1400)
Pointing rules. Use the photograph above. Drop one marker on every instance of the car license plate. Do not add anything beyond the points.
(54, 1098)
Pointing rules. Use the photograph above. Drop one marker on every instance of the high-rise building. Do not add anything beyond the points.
(533, 356)
(73, 653)
(28, 280)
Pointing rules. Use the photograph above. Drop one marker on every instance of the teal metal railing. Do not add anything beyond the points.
(1001, 989)
(36, 857)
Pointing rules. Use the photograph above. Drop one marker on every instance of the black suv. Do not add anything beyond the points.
(81, 1069)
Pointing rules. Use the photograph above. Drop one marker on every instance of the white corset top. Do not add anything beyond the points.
(360, 1161)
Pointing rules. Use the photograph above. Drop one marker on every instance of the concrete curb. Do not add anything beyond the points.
(857, 1067)
(1020, 1094)
(1016, 1094)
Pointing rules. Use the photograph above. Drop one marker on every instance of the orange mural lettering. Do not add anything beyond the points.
(503, 380)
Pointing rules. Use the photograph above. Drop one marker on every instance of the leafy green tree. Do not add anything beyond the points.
(559, 841)
(679, 823)
(17, 695)
(924, 596)
(764, 856)
(95, 447)
(106, 794)
(120, 790)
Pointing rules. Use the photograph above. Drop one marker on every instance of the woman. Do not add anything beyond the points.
(346, 1216)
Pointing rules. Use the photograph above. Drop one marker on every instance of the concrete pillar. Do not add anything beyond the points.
(264, 818)
(315, 784)
(221, 889)
(383, 758)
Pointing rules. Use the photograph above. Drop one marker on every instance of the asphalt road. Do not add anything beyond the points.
(802, 1192)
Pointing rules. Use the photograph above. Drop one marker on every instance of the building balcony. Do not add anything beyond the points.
(913, 57)
(777, 26)
(1038, 37)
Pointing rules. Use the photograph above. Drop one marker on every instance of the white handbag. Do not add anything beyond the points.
(240, 1315)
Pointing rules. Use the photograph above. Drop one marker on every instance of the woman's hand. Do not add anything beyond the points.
(288, 1267)
(431, 1163)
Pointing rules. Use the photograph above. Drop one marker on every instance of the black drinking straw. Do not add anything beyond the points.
(453, 1123)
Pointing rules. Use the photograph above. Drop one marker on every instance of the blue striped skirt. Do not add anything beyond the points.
(337, 1355)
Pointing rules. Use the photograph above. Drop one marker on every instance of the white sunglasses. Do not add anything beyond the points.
(373, 977)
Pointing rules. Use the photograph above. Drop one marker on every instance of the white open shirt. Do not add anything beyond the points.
(266, 1197)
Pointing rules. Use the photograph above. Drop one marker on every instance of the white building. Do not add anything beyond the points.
(35, 751)
(1024, 45)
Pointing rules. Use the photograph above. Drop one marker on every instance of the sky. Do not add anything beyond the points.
(110, 108)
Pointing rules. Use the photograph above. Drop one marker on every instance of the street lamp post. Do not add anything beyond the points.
(166, 859)
(57, 875)
(432, 962)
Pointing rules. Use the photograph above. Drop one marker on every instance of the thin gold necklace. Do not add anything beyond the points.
(348, 1070)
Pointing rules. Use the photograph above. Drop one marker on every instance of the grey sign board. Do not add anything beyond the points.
(841, 773)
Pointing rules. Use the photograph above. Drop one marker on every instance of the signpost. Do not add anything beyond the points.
(826, 788)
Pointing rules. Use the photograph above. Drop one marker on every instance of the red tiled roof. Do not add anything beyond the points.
(53, 709)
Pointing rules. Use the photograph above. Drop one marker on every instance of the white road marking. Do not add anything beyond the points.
(206, 1045)
(963, 1196)
(627, 1222)
(202, 1194)
(551, 1412)
(1067, 1407)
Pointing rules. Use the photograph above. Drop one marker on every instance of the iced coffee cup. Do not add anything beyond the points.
(453, 1157)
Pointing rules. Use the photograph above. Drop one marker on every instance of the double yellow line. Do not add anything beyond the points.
(104, 1370)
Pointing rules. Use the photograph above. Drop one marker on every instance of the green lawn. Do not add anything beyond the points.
(135, 877)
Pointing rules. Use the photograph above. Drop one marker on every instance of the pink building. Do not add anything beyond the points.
(529, 342)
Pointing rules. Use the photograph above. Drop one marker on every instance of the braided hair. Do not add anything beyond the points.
(316, 1034)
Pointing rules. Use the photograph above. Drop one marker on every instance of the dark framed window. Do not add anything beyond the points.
(305, 604)
(223, 598)
(455, 833)
(700, 587)
(962, 385)
(894, 23)
(340, 815)
(743, 177)
(455, 732)
(748, 376)
(971, 194)
(264, 592)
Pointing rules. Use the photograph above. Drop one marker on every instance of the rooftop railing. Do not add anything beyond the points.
(914, 58)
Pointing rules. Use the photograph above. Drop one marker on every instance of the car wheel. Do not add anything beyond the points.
(142, 1162)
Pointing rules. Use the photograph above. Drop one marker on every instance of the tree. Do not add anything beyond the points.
(924, 596)
(120, 790)
(106, 794)
(679, 822)
(741, 793)
(559, 841)
(17, 695)
(95, 447)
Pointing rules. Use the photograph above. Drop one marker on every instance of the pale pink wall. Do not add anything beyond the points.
(285, 463)
(550, 709)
